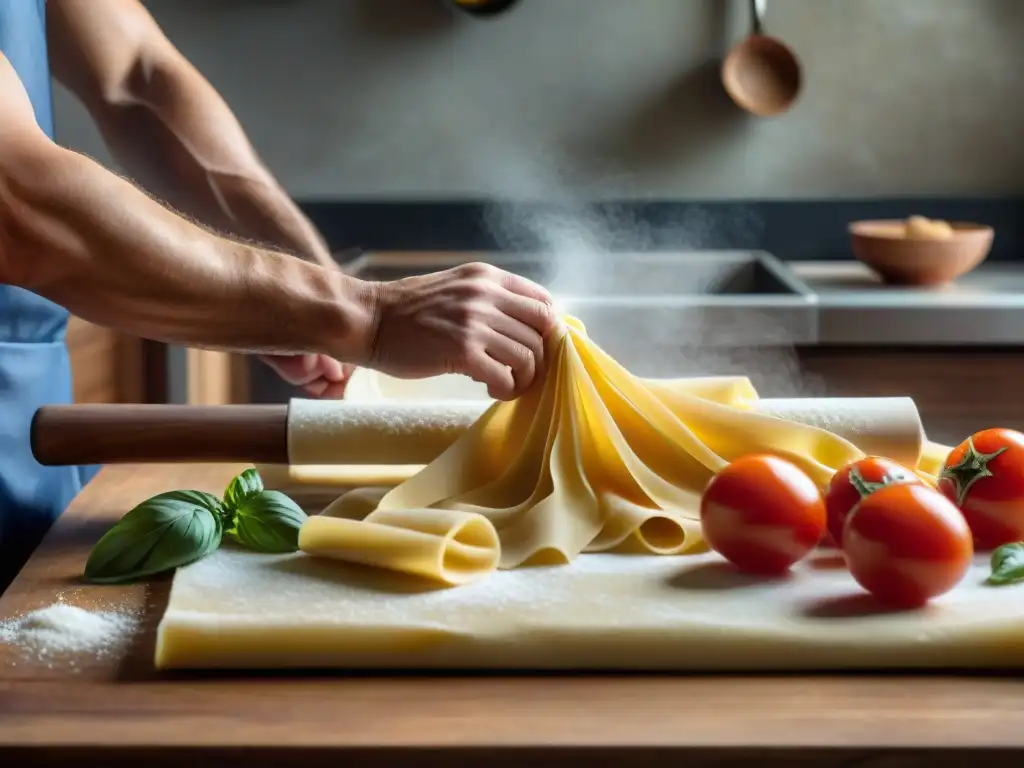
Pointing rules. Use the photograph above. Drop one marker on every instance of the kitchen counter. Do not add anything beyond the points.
(984, 307)
(120, 711)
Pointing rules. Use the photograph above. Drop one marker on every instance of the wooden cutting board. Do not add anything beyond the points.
(602, 612)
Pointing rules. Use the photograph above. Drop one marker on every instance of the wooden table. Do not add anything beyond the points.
(124, 713)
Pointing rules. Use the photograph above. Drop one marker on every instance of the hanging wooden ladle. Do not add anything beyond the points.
(762, 74)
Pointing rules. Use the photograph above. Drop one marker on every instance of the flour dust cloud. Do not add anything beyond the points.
(579, 255)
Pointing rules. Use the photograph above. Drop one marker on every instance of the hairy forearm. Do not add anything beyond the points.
(92, 242)
(177, 137)
(167, 126)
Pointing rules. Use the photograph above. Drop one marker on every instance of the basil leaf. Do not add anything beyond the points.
(268, 522)
(164, 532)
(241, 488)
(1007, 564)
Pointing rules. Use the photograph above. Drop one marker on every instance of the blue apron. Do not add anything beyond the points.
(34, 364)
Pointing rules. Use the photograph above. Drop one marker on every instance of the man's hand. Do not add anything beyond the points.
(318, 375)
(474, 319)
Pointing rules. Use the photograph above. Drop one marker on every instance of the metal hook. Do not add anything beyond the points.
(758, 8)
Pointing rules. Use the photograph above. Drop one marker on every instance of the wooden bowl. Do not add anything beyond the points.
(900, 259)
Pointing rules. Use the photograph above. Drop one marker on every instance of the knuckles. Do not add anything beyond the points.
(475, 290)
(477, 270)
(464, 314)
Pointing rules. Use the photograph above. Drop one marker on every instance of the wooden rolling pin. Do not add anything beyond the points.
(303, 432)
(333, 432)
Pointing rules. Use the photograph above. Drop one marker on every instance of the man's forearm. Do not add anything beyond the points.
(208, 172)
(113, 256)
(168, 127)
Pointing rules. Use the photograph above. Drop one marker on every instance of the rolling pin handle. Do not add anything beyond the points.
(70, 435)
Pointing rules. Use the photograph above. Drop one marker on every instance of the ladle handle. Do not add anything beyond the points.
(758, 8)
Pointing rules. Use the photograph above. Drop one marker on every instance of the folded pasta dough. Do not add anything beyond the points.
(444, 545)
(594, 459)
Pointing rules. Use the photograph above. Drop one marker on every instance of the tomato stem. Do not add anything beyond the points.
(867, 487)
(969, 470)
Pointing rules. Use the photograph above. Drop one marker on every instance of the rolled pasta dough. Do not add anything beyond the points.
(448, 546)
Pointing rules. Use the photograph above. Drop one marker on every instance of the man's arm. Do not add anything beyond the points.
(168, 127)
(74, 232)
(89, 240)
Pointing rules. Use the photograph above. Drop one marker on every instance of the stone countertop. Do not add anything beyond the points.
(982, 308)
(853, 283)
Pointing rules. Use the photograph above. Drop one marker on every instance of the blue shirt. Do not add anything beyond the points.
(34, 366)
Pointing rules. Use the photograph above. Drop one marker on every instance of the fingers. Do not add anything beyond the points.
(326, 390)
(523, 287)
(318, 375)
(532, 313)
(333, 370)
(498, 377)
(297, 370)
(520, 317)
(337, 379)
(519, 360)
(316, 388)
(527, 343)
(473, 319)
(523, 299)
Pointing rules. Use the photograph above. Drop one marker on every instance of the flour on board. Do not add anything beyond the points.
(61, 629)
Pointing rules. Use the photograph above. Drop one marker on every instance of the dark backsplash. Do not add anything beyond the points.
(797, 230)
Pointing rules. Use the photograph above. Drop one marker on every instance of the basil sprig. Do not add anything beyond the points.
(268, 522)
(180, 527)
(242, 487)
(1007, 564)
(164, 532)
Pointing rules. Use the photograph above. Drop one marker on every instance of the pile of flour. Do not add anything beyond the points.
(61, 629)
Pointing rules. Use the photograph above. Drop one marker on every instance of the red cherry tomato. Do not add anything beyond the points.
(907, 543)
(854, 482)
(762, 513)
(984, 476)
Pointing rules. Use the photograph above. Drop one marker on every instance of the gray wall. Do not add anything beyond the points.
(608, 98)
